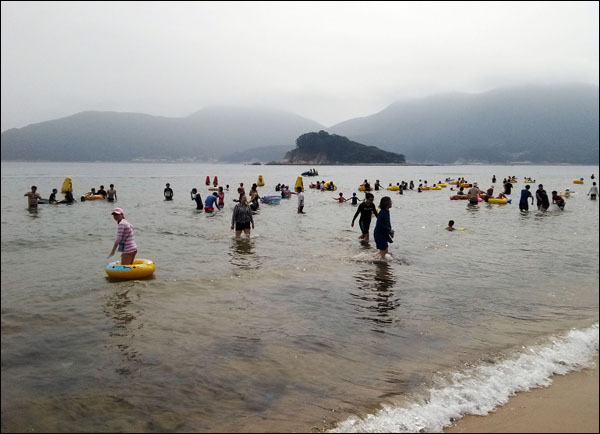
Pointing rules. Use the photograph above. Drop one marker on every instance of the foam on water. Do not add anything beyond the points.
(480, 389)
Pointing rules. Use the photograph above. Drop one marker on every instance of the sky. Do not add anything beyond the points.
(327, 61)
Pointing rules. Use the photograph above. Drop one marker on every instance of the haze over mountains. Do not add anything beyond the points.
(537, 124)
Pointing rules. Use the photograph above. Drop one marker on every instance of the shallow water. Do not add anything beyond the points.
(297, 328)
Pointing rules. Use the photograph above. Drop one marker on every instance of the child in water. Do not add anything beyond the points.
(451, 226)
(383, 233)
(340, 199)
(354, 199)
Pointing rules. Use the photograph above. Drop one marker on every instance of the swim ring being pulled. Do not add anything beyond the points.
(140, 268)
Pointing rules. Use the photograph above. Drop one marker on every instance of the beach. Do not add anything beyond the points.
(299, 327)
(570, 404)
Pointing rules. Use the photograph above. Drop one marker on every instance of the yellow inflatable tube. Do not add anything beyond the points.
(261, 181)
(93, 197)
(392, 188)
(334, 186)
(140, 268)
(465, 185)
(442, 185)
(577, 181)
(496, 200)
(431, 188)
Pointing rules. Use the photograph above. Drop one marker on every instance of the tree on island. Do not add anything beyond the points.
(325, 148)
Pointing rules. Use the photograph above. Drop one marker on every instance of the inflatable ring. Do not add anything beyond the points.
(498, 201)
(442, 185)
(465, 185)
(459, 197)
(92, 197)
(577, 181)
(393, 188)
(140, 268)
(327, 186)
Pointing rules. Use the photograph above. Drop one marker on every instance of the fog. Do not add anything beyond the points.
(325, 61)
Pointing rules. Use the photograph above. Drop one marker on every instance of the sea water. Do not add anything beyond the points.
(300, 327)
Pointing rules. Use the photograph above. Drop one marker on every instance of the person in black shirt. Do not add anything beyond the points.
(52, 198)
(365, 209)
(196, 196)
(168, 192)
(508, 187)
(102, 191)
(354, 199)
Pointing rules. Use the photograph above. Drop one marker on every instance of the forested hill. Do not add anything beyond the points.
(325, 148)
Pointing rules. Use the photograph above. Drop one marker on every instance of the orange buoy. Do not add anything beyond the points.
(215, 181)
(207, 180)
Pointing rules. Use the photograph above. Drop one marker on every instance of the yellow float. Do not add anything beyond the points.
(67, 186)
(577, 181)
(465, 185)
(529, 182)
(442, 185)
(393, 188)
(498, 201)
(92, 197)
(362, 188)
(261, 181)
(334, 186)
(453, 183)
(299, 183)
(431, 188)
(139, 269)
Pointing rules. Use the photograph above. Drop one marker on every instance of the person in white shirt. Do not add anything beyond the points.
(593, 193)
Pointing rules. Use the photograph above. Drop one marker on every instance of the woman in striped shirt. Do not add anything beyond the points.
(124, 242)
(242, 218)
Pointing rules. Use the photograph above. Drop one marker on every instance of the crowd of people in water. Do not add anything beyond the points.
(248, 204)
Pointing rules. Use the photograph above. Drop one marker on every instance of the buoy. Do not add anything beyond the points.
(215, 181)
(207, 180)
(299, 183)
(261, 181)
(67, 186)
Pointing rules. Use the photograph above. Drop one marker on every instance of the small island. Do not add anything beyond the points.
(325, 148)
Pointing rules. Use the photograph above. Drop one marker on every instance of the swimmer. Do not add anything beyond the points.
(52, 198)
(340, 199)
(111, 194)
(451, 226)
(593, 193)
(354, 199)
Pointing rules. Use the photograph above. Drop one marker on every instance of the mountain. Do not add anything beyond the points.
(325, 148)
(537, 124)
(209, 134)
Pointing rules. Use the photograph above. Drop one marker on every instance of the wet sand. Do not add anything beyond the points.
(569, 405)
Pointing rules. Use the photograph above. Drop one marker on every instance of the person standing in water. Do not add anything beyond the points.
(300, 200)
(593, 193)
(124, 242)
(32, 198)
(525, 194)
(221, 195)
(242, 218)
(168, 193)
(365, 209)
(543, 203)
(383, 233)
(111, 194)
(196, 196)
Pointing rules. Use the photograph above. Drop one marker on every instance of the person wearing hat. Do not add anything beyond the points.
(124, 242)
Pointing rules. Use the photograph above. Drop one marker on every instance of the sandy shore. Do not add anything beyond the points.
(569, 405)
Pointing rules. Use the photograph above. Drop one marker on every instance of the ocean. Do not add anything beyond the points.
(299, 328)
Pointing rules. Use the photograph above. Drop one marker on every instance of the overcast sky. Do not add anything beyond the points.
(326, 61)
